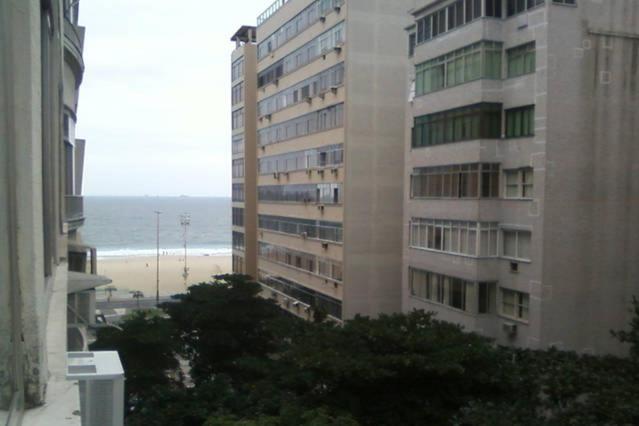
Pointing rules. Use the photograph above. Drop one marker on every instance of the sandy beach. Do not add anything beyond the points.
(139, 273)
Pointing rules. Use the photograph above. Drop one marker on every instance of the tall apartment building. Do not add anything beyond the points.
(521, 184)
(47, 275)
(331, 94)
(243, 126)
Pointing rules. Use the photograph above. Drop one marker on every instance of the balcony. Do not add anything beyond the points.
(73, 48)
(74, 211)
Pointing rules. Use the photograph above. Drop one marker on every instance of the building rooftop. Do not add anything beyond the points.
(246, 34)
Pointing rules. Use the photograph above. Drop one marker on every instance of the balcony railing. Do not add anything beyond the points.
(271, 11)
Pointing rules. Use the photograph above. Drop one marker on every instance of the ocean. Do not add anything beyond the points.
(126, 226)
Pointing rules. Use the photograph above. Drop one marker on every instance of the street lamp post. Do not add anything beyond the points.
(185, 221)
(157, 260)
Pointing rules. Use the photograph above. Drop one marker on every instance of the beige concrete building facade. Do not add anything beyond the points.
(244, 151)
(521, 217)
(331, 94)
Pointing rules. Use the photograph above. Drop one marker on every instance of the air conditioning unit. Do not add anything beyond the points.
(304, 235)
(276, 175)
(321, 207)
(335, 171)
(309, 99)
(101, 379)
(276, 82)
(337, 49)
(510, 329)
(296, 304)
(334, 89)
(309, 171)
(307, 308)
(325, 246)
(322, 18)
(268, 117)
(321, 95)
(337, 8)
(320, 172)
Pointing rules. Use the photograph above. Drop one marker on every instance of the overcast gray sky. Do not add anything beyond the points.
(155, 100)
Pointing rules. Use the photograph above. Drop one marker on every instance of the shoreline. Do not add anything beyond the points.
(138, 273)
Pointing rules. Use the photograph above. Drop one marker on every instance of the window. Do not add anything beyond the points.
(322, 82)
(238, 264)
(475, 239)
(238, 168)
(237, 94)
(237, 69)
(237, 119)
(446, 19)
(493, 8)
(519, 183)
(302, 56)
(296, 25)
(521, 60)
(237, 144)
(513, 7)
(516, 244)
(520, 122)
(326, 268)
(318, 121)
(446, 290)
(456, 181)
(304, 294)
(238, 241)
(326, 156)
(479, 60)
(412, 40)
(238, 192)
(238, 216)
(480, 121)
(484, 298)
(515, 304)
(306, 228)
(572, 2)
(323, 193)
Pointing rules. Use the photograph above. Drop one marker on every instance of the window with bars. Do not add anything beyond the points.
(515, 304)
(456, 181)
(479, 121)
(521, 60)
(479, 60)
(520, 122)
(519, 183)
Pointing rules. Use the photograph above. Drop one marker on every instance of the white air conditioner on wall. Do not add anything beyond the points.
(101, 379)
